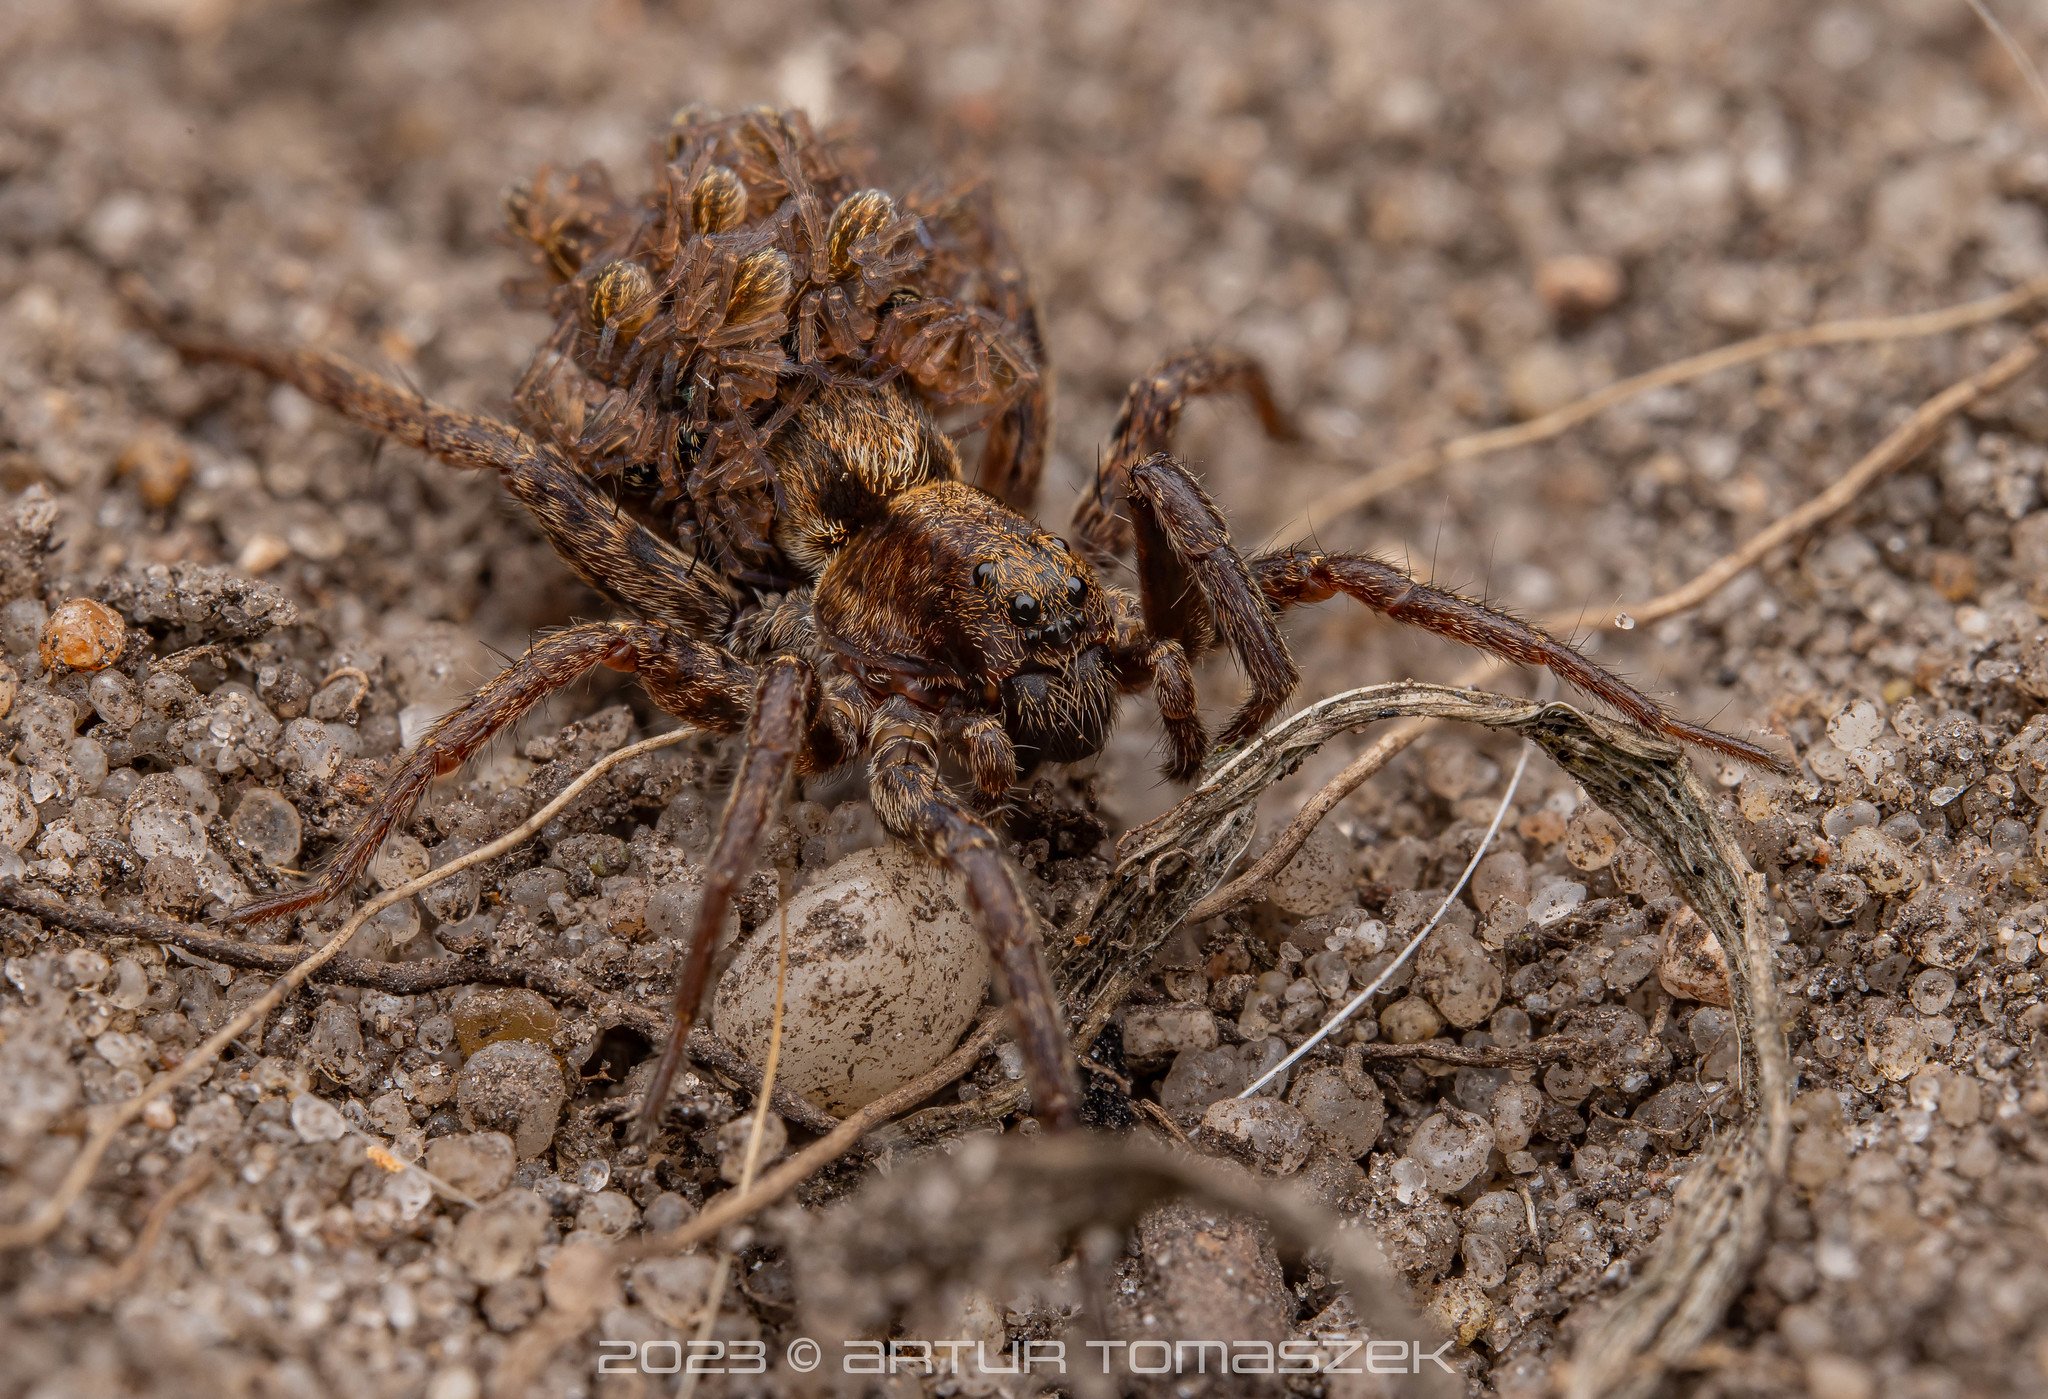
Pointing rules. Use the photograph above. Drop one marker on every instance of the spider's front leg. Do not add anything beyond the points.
(912, 800)
(1291, 577)
(794, 727)
(693, 680)
(1145, 427)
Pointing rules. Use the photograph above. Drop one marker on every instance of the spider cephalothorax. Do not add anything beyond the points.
(764, 343)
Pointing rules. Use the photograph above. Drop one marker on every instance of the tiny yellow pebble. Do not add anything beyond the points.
(83, 635)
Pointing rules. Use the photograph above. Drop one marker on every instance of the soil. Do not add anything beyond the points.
(1426, 220)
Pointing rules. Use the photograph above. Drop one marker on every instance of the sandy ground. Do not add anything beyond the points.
(1375, 198)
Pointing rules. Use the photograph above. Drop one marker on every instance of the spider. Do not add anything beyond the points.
(804, 558)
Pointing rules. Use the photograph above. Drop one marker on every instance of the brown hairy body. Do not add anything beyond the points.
(736, 432)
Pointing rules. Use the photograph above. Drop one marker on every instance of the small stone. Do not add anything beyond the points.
(1458, 975)
(1541, 378)
(1517, 1108)
(159, 465)
(317, 1120)
(83, 635)
(1870, 853)
(1503, 875)
(1153, 1035)
(262, 552)
(1317, 879)
(1577, 285)
(479, 1164)
(1592, 838)
(492, 1014)
(1694, 966)
(1452, 1147)
(1410, 1020)
(1351, 1117)
(514, 1087)
(1897, 1048)
(582, 1277)
(1198, 1078)
(673, 1289)
(499, 1241)
(18, 818)
(267, 826)
(1267, 1134)
(1554, 900)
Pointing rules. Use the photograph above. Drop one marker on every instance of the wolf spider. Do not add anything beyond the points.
(890, 610)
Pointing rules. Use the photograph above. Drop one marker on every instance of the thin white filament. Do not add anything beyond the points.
(1351, 1007)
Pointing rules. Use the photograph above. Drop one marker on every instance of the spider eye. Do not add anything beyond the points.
(1076, 589)
(1024, 610)
(982, 573)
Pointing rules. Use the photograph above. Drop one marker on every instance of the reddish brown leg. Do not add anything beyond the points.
(775, 743)
(913, 801)
(1013, 455)
(605, 547)
(1146, 426)
(690, 679)
(1194, 584)
(1143, 659)
(1290, 577)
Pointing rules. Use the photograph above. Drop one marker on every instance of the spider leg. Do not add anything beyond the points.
(688, 678)
(1146, 425)
(912, 800)
(777, 742)
(1013, 453)
(1291, 577)
(1194, 585)
(604, 546)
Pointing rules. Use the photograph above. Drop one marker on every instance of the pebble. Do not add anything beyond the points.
(886, 971)
(1153, 1035)
(1350, 1112)
(317, 1120)
(1554, 900)
(479, 1164)
(1269, 1135)
(497, 1242)
(493, 1014)
(514, 1087)
(1694, 966)
(267, 826)
(1198, 1078)
(672, 1289)
(18, 819)
(82, 635)
(1459, 976)
(1317, 879)
(1411, 1020)
(1577, 285)
(1452, 1147)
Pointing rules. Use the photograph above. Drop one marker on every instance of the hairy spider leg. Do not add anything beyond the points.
(787, 733)
(912, 800)
(1292, 577)
(1145, 427)
(693, 680)
(604, 546)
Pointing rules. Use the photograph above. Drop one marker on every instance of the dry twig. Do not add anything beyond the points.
(111, 1118)
(1374, 484)
(1900, 446)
